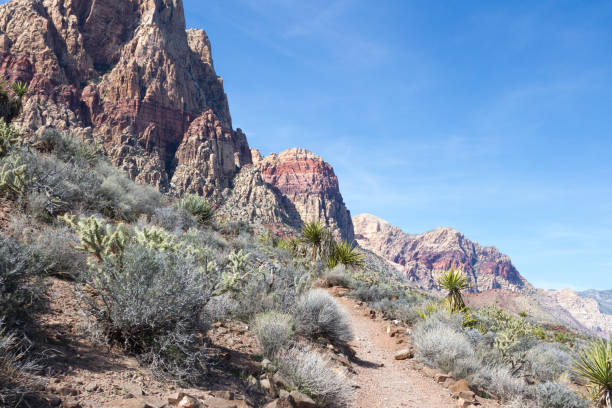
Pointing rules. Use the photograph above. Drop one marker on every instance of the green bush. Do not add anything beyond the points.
(197, 206)
(316, 376)
(22, 290)
(273, 331)
(150, 303)
(317, 314)
(554, 395)
(17, 381)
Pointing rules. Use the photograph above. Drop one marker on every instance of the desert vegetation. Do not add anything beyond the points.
(155, 273)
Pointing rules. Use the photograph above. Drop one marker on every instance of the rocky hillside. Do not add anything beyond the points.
(310, 184)
(128, 75)
(583, 309)
(421, 257)
(602, 297)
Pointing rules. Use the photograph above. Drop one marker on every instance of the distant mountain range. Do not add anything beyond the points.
(494, 279)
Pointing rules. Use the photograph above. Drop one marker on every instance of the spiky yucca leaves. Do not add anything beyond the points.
(454, 281)
(345, 254)
(594, 364)
(98, 239)
(10, 105)
(20, 89)
(9, 136)
(314, 234)
(198, 207)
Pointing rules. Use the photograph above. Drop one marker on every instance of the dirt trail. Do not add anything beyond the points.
(383, 381)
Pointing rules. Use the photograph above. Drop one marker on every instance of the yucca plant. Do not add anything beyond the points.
(20, 89)
(594, 364)
(345, 254)
(314, 234)
(198, 207)
(454, 281)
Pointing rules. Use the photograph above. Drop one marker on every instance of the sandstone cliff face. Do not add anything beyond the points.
(311, 185)
(584, 310)
(422, 257)
(254, 200)
(129, 75)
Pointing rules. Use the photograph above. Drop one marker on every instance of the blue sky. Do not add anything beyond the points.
(490, 117)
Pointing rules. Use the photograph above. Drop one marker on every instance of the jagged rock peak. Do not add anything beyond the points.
(125, 73)
(422, 257)
(311, 185)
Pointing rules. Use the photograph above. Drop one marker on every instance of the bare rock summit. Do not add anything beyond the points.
(422, 257)
(310, 184)
(128, 75)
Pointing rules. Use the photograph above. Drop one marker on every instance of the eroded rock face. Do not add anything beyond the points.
(422, 257)
(252, 199)
(311, 185)
(585, 310)
(127, 74)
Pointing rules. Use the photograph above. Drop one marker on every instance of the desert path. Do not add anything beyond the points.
(383, 381)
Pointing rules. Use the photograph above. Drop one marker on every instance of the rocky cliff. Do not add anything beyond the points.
(602, 297)
(311, 185)
(583, 309)
(422, 257)
(128, 75)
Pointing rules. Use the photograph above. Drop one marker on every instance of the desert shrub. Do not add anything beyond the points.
(397, 310)
(273, 331)
(338, 276)
(59, 186)
(440, 344)
(21, 286)
(16, 371)
(317, 314)
(555, 395)
(172, 219)
(67, 148)
(547, 361)
(498, 382)
(126, 199)
(56, 248)
(315, 375)
(369, 294)
(197, 206)
(150, 303)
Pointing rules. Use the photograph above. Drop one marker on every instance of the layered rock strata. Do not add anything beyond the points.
(310, 183)
(422, 257)
(127, 74)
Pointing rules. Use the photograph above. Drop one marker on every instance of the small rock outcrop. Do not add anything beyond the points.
(252, 199)
(422, 257)
(311, 185)
(127, 74)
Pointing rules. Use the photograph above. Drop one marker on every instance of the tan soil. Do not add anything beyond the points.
(385, 382)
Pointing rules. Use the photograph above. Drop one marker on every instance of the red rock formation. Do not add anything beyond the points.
(126, 73)
(311, 185)
(422, 257)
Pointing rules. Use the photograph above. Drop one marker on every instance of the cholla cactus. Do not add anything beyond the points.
(237, 271)
(507, 341)
(9, 136)
(98, 239)
(158, 239)
(13, 178)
